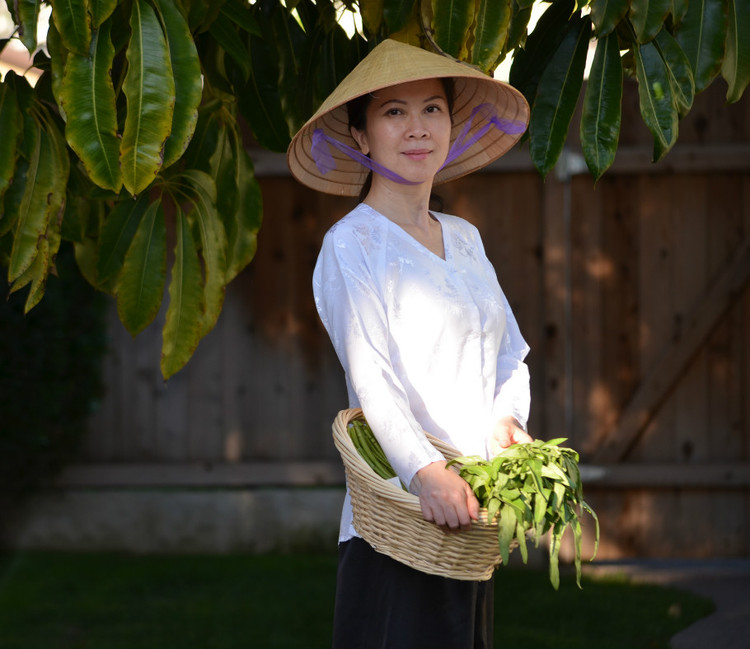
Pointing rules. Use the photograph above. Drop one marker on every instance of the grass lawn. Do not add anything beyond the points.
(105, 601)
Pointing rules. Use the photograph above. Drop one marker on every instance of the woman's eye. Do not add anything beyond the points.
(433, 109)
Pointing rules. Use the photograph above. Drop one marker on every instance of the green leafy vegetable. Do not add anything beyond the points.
(535, 488)
(528, 490)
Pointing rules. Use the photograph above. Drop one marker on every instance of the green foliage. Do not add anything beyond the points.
(701, 36)
(149, 89)
(735, 66)
(87, 97)
(491, 34)
(49, 379)
(145, 100)
(140, 285)
(72, 24)
(557, 94)
(600, 120)
(531, 490)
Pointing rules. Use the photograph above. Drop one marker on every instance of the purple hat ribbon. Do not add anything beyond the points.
(486, 112)
(325, 162)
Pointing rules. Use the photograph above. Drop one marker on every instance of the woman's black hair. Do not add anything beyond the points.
(356, 110)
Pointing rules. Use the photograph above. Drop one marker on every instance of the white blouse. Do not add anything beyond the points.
(426, 343)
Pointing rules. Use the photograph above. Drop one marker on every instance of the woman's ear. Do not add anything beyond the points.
(361, 139)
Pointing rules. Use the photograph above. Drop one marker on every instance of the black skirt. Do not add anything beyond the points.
(383, 604)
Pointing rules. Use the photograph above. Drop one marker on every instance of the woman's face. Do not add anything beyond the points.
(408, 129)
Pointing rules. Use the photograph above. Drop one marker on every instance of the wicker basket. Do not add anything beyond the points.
(390, 519)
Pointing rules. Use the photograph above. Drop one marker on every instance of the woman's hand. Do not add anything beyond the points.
(445, 498)
(507, 432)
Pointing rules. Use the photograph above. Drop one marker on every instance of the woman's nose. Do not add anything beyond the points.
(417, 128)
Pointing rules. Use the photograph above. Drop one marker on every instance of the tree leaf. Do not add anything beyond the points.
(655, 98)
(259, 100)
(413, 30)
(186, 70)
(85, 254)
(12, 201)
(72, 22)
(44, 261)
(33, 211)
(327, 62)
(49, 204)
(396, 14)
(736, 66)
(58, 57)
(56, 197)
(701, 35)
(27, 17)
(213, 244)
(117, 234)
(321, 56)
(202, 13)
(557, 95)
(606, 14)
(182, 328)
(530, 62)
(372, 16)
(517, 30)
(36, 275)
(140, 286)
(150, 93)
(647, 17)
(679, 9)
(203, 144)
(225, 33)
(242, 230)
(237, 12)
(88, 99)
(288, 41)
(101, 10)
(678, 69)
(10, 127)
(490, 32)
(82, 215)
(451, 23)
(239, 201)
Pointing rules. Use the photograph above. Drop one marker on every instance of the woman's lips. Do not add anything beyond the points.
(417, 154)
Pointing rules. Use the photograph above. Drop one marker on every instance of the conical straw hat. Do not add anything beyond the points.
(388, 64)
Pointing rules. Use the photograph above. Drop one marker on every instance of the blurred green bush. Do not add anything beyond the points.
(50, 379)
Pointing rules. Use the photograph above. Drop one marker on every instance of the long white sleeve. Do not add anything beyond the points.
(351, 307)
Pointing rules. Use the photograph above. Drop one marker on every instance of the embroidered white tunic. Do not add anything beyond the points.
(426, 343)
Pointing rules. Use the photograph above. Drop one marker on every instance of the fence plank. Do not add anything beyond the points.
(662, 378)
(240, 474)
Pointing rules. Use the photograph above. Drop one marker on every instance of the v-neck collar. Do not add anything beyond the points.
(420, 246)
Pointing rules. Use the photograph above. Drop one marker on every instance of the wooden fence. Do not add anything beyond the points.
(633, 295)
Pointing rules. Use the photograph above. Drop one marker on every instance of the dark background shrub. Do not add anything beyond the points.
(50, 379)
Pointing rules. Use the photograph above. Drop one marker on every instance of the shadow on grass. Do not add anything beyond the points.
(106, 601)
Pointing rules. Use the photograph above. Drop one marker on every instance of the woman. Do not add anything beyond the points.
(418, 320)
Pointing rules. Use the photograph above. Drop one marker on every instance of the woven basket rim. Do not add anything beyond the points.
(469, 555)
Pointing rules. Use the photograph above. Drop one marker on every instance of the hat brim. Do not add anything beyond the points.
(392, 63)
